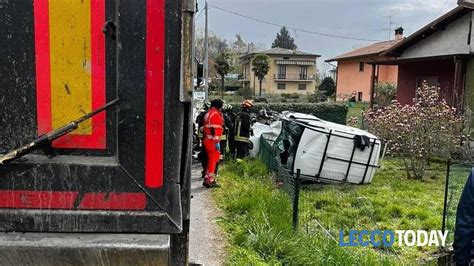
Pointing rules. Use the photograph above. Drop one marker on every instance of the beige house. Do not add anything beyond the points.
(290, 72)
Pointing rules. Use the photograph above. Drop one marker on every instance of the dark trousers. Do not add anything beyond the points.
(242, 149)
(232, 145)
(202, 156)
(223, 147)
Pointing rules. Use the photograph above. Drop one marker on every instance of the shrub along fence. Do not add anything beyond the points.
(332, 112)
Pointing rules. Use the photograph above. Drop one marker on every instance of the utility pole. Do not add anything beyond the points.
(206, 48)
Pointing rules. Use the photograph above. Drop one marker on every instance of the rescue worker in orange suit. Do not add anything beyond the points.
(202, 154)
(242, 130)
(212, 132)
(225, 133)
(200, 120)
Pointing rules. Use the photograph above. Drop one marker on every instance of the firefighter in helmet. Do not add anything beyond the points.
(231, 136)
(213, 128)
(228, 126)
(243, 130)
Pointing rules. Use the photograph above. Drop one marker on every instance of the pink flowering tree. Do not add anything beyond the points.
(417, 133)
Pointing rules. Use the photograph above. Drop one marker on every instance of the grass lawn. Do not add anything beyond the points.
(356, 110)
(258, 216)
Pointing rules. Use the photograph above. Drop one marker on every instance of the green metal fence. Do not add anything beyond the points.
(286, 180)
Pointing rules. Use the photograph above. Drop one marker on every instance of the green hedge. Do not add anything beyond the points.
(333, 112)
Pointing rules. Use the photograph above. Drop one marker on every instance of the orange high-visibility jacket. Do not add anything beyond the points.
(213, 125)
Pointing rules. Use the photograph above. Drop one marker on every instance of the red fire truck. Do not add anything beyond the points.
(115, 189)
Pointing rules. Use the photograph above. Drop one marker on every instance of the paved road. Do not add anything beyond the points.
(207, 242)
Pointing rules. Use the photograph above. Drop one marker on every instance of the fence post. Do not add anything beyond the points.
(296, 200)
(445, 208)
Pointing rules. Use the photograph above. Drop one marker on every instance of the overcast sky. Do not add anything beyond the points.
(367, 19)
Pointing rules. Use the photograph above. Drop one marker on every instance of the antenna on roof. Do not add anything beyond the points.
(390, 28)
(390, 24)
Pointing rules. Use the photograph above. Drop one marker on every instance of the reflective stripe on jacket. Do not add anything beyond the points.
(242, 126)
(224, 135)
(200, 132)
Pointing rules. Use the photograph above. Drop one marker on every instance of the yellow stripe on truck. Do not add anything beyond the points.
(71, 76)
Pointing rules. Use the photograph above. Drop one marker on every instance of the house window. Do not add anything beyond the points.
(361, 67)
(303, 72)
(245, 72)
(281, 72)
(359, 96)
(281, 86)
(430, 81)
(302, 87)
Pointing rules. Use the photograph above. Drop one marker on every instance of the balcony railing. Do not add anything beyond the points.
(294, 77)
(243, 77)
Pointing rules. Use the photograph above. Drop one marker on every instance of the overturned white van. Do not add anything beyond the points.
(324, 151)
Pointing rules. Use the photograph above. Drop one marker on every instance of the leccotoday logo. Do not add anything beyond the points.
(389, 238)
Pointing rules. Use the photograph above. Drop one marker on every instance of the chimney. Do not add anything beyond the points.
(399, 33)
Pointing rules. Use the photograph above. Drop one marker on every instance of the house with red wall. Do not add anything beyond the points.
(440, 54)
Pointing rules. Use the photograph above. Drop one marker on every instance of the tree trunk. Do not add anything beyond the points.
(254, 88)
(222, 87)
(260, 89)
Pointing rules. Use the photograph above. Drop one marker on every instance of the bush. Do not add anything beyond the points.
(332, 112)
(343, 97)
(295, 96)
(417, 133)
(328, 85)
(246, 93)
(386, 93)
(318, 97)
(290, 95)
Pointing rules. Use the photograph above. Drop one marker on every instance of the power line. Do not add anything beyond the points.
(390, 24)
(440, 10)
(293, 28)
(200, 13)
